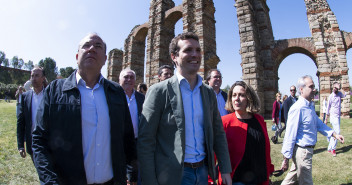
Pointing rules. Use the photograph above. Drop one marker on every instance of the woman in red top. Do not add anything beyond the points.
(247, 137)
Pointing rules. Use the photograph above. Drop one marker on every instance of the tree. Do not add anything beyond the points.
(49, 66)
(20, 63)
(66, 72)
(6, 62)
(29, 65)
(14, 62)
(2, 57)
(226, 89)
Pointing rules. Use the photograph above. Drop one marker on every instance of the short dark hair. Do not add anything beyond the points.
(40, 68)
(253, 102)
(142, 86)
(173, 47)
(160, 71)
(209, 74)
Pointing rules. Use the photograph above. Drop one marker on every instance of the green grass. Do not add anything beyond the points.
(13, 168)
(326, 169)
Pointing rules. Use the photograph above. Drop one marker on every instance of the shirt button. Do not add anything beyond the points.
(98, 144)
(97, 164)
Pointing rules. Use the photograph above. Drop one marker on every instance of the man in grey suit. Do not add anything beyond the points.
(180, 126)
(27, 111)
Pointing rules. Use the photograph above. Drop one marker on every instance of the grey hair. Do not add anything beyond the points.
(301, 83)
(124, 71)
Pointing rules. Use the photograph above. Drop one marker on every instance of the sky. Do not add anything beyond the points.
(36, 29)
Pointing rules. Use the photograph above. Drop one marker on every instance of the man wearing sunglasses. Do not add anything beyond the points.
(287, 105)
(334, 110)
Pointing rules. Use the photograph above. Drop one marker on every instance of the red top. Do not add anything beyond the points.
(276, 111)
(236, 134)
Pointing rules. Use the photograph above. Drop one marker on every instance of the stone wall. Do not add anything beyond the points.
(261, 54)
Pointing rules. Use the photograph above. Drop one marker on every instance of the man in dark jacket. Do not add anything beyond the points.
(27, 111)
(287, 105)
(135, 101)
(84, 133)
(214, 80)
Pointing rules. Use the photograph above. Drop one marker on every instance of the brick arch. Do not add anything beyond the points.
(286, 47)
(135, 51)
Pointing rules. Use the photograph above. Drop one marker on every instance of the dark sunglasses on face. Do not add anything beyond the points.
(293, 90)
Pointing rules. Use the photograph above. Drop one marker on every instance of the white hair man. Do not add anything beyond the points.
(301, 135)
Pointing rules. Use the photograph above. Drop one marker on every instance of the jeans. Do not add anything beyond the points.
(240, 183)
(195, 176)
(335, 122)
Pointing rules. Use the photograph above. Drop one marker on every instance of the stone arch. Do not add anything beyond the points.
(286, 47)
(135, 51)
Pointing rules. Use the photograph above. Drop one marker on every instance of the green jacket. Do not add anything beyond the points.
(161, 139)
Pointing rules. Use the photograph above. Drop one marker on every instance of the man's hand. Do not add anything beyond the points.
(284, 165)
(22, 153)
(326, 119)
(226, 179)
(340, 138)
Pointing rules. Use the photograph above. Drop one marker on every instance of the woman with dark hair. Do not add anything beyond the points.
(247, 137)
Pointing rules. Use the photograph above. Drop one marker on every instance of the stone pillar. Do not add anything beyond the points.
(198, 17)
(114, 64)
(257, 42)
(159, 37)
(330, 48)
(134, 52)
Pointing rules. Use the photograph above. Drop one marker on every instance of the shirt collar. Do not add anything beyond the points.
(40, 93)
(79, 79)
(305, 101)
(181, 78)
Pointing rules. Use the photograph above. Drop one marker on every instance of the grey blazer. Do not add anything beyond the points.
(161, 139)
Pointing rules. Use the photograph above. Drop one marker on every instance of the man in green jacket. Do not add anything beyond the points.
(180, 126)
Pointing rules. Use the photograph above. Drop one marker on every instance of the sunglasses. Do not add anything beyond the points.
(293, 90)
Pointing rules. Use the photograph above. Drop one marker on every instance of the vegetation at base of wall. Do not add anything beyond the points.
(8, 87)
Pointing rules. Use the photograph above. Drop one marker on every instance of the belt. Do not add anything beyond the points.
(109, 182)
(194, 165)
(309, 146)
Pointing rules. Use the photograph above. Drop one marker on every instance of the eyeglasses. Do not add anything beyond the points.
(293, 90)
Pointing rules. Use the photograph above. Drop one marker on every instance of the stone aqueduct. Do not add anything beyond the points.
(261, 53)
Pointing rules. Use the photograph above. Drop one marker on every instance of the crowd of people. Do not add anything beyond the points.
(88, 130)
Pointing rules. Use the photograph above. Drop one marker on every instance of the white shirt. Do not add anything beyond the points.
(132, 105)
(96, 138)
(221, 104)
(36, 99)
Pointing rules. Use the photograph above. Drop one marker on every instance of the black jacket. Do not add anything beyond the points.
(286, 107)
(57, 137)
(24, 122)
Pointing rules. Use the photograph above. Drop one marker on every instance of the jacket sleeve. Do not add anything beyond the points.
(21, 125)
(285, 107)
(129, 139)
(149, 122)
(40, 143)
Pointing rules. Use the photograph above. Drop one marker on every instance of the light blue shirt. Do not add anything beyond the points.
(96, 138)
(193, 110)
(221, 104)
(302, 128)
(132, 105)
